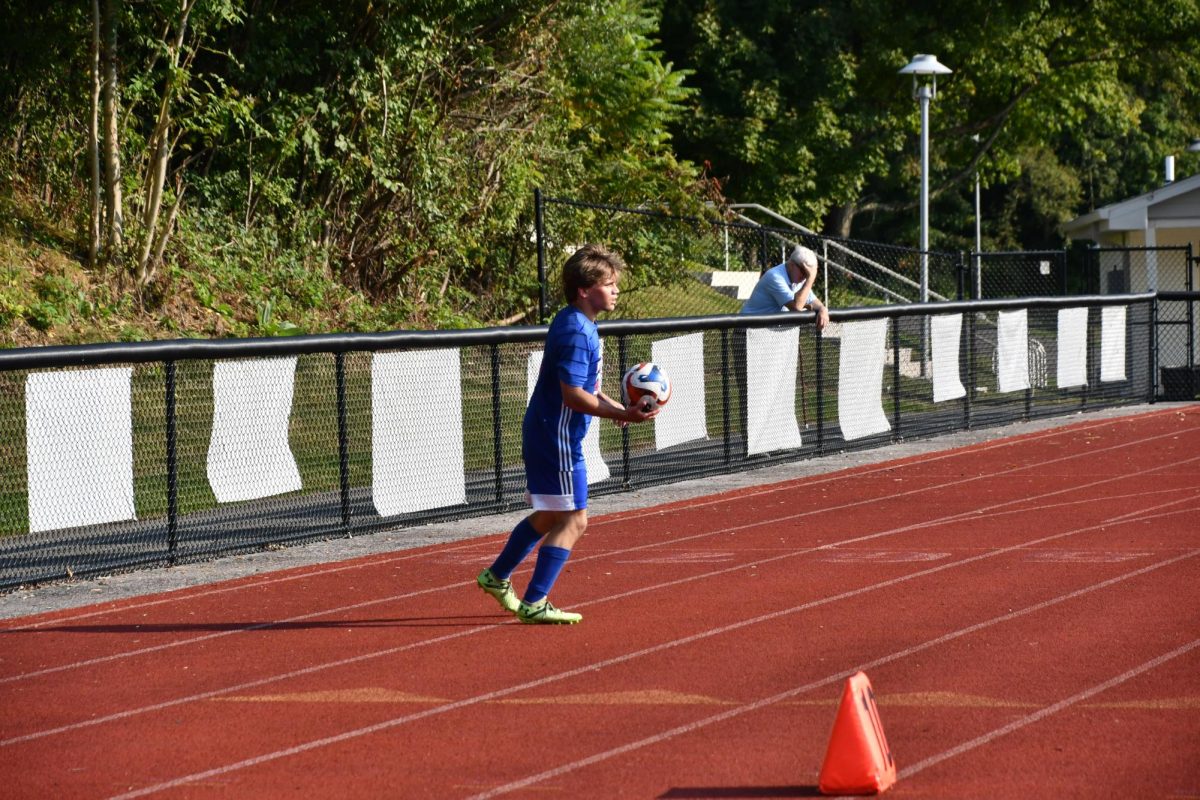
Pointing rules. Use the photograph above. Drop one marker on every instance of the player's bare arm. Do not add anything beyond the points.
(599, 405)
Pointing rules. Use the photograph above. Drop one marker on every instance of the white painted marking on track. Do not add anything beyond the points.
(479, 559)
(1140, 514)
(597, 666)
(701, 557)
(881, 556)
(1083, 556)
(1049, 710)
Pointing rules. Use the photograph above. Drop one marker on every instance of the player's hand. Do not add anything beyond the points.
(644, 409)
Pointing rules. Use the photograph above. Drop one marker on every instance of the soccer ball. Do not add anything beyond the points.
(645, 379)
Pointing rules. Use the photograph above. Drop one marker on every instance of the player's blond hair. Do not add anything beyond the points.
(588, 266)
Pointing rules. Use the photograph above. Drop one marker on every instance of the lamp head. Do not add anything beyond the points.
(924, 67)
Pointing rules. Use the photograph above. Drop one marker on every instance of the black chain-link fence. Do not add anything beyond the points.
(1034, 273)
(1178, 327)
(692, 266)
(119, 456)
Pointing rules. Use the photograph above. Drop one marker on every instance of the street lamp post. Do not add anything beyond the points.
(924, 70)
(978, 276)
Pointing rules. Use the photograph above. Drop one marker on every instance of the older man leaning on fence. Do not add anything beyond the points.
(789, 287)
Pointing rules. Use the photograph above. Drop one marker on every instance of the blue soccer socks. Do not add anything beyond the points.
(550, 563)
(520, 544)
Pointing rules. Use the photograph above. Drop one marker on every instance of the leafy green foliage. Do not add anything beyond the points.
(800, 107)
(371, 164)
(323, 152)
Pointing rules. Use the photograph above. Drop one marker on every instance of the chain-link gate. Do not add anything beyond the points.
(1040, 273)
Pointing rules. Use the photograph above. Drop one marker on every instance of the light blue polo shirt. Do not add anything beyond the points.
(773, 291)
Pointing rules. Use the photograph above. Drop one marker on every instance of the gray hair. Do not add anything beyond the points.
(803, 257)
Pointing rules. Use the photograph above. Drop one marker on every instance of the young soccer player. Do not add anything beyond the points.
(565, 398)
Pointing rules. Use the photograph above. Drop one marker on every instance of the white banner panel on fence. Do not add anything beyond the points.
(1112, 343)
(597, 470)
(682, 419)
(79, 448)
(1012, 351)
(416, 437)
(249, 455)
(860, 379)
(1072, 347)
(947, 340)
(771, 358)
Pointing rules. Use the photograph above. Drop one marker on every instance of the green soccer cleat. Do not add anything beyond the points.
(543, 612)
(500, 589)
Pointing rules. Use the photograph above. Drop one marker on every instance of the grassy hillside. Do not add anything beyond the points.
(223, 286)
(218, 286)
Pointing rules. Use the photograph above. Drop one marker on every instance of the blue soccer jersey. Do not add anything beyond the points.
(552, 440)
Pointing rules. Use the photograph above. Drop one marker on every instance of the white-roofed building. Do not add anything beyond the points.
(1168, 216)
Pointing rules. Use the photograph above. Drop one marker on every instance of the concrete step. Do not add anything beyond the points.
(908, 367)
(735, 284)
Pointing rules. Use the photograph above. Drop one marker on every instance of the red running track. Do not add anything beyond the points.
(1028, 611)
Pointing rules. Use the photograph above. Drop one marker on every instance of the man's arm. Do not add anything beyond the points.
(822, 312)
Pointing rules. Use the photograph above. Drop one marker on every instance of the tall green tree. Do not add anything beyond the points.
(394, 145)
(800, 108)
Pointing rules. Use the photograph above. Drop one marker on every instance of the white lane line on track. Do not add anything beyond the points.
(662, 736)
(183, 595)
(892, 657)
(578, 559)
(1138, 514)
(1129, 515)
(1049, 710)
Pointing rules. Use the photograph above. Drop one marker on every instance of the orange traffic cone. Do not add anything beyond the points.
(858, 760)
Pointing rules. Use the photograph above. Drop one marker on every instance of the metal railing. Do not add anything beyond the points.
(668, 251)
(845, 256)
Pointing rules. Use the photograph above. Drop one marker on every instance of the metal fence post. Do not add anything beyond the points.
(895, 379)
(726, 443)
(1153, 337)
(339, 361)
(622, 363)
(1189, 262)
(1029, 388)
(172, 467)
(820, 393)
(969, 368)
(539, 227)
(497, 448)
